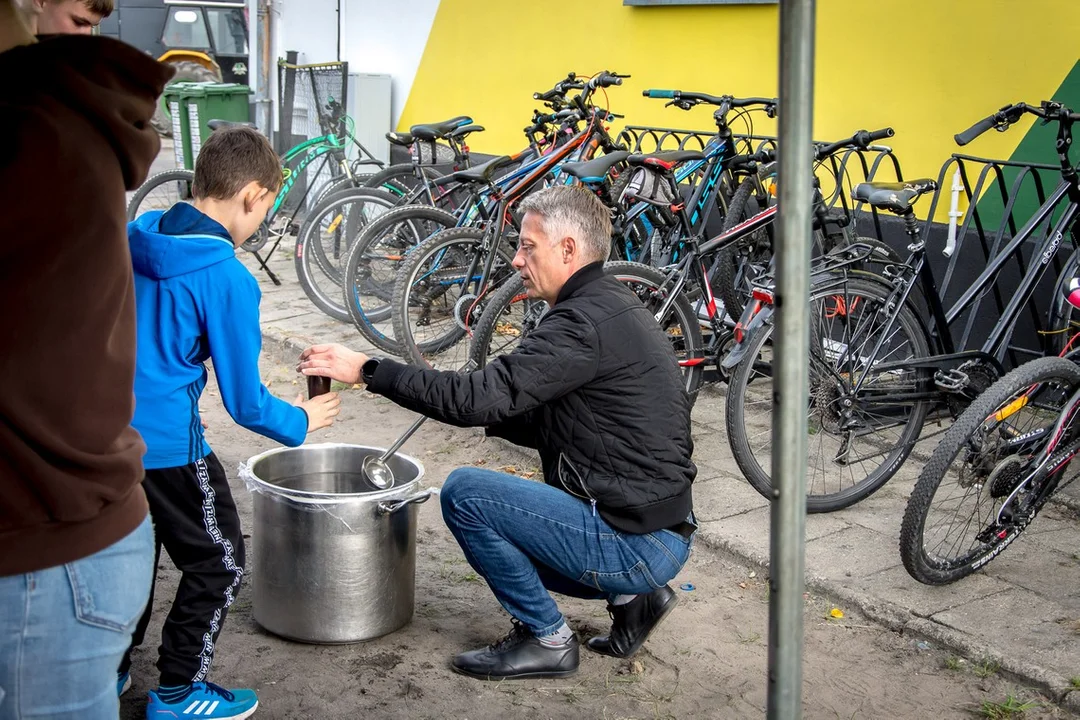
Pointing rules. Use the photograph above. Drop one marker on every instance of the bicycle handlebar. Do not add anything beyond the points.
(561, 88)
(1006, 116)
(861, 140)
(691, 98)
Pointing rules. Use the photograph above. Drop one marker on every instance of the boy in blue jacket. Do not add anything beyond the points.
(195, 301)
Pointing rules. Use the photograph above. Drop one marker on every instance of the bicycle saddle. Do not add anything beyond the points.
(465, 130)
(479, 174)
(896, 197)
(431, 131)
(403, 139)
(596, 169)
(218, 124)
(666, 159)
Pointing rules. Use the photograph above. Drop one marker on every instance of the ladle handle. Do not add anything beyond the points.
(469, 367)
(401, 440)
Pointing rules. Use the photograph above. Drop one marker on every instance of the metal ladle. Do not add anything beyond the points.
(375, 469)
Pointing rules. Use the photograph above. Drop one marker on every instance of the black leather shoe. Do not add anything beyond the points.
(633, 621)
(519, 655)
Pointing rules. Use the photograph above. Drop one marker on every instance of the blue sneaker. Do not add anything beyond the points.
(203, 700)
(123, 683)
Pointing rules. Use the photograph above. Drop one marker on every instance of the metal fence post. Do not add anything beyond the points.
(791, 351)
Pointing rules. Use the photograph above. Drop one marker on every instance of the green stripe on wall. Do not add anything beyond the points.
(1037, 146)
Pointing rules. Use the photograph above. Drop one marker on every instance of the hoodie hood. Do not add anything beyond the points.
(177, 242)
(108, 82)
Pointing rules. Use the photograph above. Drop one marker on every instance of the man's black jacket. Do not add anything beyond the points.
(596, 388)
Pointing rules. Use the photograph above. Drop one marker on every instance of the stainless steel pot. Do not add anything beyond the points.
(335, 556)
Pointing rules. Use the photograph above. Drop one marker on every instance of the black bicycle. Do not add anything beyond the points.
(882, 355)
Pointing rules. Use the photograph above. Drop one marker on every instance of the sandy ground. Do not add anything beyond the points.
(708, 659)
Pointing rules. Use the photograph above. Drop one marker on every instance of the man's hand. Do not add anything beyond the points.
(320, 410)
(333, 361)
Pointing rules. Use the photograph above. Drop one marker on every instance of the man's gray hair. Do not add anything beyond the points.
(573, 211)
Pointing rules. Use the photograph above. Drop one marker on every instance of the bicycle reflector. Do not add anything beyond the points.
(762, 295)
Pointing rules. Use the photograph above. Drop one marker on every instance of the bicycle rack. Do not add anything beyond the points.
(844, 170)
(993, 184)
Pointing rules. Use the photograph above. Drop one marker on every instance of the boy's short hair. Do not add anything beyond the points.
(231, 158)
(103, 8)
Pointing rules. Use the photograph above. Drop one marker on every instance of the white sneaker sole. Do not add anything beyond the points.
(161, 715)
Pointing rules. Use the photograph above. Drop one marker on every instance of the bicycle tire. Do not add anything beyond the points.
(496, 312)
(456, 245)
(959, 438)
(726, 269)
(750, 411)
(314, 268)
(363, 272)
(154, 182)
(681, 325)
(400, 178)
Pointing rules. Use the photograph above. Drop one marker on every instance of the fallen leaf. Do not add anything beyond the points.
(510, 469)
(636, 667)
(742, 585)
(836, 613)
(753, 574)
(529, 475)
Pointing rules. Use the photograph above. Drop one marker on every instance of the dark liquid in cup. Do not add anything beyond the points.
(317, 386)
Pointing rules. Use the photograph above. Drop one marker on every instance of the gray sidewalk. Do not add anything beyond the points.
(1022, 611)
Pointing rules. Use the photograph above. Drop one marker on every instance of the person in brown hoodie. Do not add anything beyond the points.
(76, 544)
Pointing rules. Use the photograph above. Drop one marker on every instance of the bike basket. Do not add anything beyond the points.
(429, 152)
(649, 186)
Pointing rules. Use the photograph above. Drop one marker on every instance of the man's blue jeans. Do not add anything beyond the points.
(526, 538)
(63, 631)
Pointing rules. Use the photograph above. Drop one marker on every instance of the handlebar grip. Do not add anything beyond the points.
(659, 94)
(881, 134)
(975, 130)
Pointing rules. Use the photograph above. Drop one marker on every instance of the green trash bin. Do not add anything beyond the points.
(176, 103)
(213, 101)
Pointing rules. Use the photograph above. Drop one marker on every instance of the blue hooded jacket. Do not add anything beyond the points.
(195, 301)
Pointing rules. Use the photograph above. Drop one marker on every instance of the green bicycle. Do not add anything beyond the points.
(333, 174)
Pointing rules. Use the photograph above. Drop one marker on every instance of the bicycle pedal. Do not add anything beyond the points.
(951, 381)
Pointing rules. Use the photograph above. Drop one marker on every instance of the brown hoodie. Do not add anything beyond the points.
(74, 115)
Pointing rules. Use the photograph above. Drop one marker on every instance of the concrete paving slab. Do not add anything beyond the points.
(853, 552)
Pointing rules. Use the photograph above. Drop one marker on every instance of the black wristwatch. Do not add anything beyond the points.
(367, 370)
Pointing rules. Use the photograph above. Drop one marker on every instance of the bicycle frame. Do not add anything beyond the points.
(993, 348)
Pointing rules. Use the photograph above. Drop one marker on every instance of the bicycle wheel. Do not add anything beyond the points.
(372, 264)
(509, 315)
(324, 241)
(734, 268)
(161, 192)
(437, 295)
(951, 526)
(862, 423)
(680, 323)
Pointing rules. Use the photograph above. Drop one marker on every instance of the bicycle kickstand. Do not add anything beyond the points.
(262, 264)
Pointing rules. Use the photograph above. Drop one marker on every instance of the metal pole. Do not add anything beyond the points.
(791, 351)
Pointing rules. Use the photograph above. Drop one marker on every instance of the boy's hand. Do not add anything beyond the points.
(333, 361)
(320, 410)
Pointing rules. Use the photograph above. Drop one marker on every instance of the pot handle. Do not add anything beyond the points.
(392, 506)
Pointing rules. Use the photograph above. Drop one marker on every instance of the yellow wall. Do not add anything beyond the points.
(928, 68)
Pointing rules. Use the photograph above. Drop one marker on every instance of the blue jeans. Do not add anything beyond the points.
(63, 631)
(526, 538)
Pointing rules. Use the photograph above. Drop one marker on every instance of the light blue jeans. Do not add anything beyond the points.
(63, 631)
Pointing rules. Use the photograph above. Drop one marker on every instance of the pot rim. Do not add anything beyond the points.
(309, 496)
